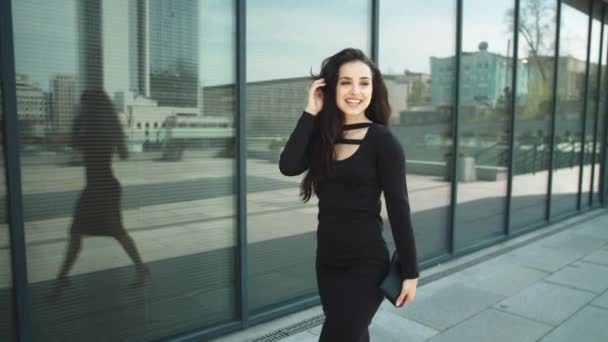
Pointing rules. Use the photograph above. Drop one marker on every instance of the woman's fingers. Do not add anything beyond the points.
(315, 97)
(408, 292)
(317, 84)
(401, 298)
(410, 297)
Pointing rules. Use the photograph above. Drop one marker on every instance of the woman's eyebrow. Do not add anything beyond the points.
(348, 78)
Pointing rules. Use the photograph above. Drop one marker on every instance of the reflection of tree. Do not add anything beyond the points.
(420, 93)
(536, 19)
(593, 89)
(503, 104)
(538, 101)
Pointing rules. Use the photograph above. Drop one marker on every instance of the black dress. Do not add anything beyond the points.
(352, 257)
(98, 211)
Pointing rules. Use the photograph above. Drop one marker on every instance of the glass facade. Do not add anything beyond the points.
(129, 193)
(569, 115)
(282, 230)
(602, 139)
(130, 118)
(7, 321)
(419, 74)
(173, 38)
(533, 113)
(592, 122)
(486, 90)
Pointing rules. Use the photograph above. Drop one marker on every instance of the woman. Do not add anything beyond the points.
(97, 135)
(351, 157)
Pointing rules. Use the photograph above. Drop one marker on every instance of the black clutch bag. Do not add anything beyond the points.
(391, 285)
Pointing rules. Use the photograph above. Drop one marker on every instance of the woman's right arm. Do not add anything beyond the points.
(294, 158)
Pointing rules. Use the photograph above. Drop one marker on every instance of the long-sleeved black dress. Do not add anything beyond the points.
(352, 257)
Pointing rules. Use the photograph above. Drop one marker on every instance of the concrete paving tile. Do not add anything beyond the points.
(496, 326)
(587, 325)
(568, 241)
(444, 303)
(500, 276)
(582, 275)
(542, 258)
(546, 303)
(598, 257)
(595, 228)
(389, 327)
(601, 300)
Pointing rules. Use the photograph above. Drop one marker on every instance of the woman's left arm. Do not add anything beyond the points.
(391, 169)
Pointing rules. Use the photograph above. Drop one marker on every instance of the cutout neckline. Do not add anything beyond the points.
(360, 142)
(356, 126)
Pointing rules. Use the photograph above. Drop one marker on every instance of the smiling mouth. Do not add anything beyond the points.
(353, 102)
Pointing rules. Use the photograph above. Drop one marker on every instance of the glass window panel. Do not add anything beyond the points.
(421, 93)
(602, 111)
(284, 44)
(130, 229)
(533, 112)
(7, 319)
(484, 119)
(570, 101)
(591, 165)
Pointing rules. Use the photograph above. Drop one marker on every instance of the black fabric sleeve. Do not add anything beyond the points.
(391, 170)
(294, 158)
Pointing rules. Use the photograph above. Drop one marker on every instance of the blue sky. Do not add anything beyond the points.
(288, 38)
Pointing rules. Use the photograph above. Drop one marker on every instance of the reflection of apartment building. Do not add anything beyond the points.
(143, 114)
(145, 121)
(273, 106)
(32, 102)
(484, 76)
(32, 109)
(570, 77)
(218, 100)
(64, 101)
(399, 90)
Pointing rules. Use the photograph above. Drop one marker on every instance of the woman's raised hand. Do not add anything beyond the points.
(315, 97)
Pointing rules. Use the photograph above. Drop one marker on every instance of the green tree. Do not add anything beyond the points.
(537, 102)
(419, 94)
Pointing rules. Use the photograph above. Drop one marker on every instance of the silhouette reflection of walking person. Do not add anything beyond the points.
(97, 135)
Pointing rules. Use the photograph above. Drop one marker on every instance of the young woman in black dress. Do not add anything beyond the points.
(351, 157)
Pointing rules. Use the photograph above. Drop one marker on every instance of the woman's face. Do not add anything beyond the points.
(354, 88)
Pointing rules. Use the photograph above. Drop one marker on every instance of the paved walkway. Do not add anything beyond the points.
(552, 289)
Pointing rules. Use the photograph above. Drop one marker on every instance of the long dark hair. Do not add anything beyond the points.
(331, 119)
(96, 131)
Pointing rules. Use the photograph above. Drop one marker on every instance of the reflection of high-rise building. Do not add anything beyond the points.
(172, 31)
(138, 55)
(150, 48)
(484, 78)
(64, 100)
